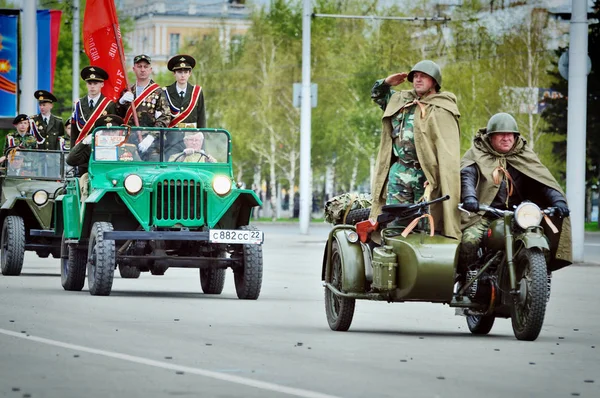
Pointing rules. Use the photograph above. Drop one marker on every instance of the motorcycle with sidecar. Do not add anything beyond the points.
(509, 280)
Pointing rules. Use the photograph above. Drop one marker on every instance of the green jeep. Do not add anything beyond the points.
(159, 198)
(30, 180)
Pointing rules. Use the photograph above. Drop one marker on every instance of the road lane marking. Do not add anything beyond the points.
(263, 385)
(591, 244)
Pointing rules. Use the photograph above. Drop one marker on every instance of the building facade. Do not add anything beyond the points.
(162, 28)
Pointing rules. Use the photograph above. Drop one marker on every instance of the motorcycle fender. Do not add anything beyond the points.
(533, 239)
(353, 264)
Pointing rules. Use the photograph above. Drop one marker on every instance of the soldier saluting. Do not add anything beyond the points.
(46, 127)
(92, 106)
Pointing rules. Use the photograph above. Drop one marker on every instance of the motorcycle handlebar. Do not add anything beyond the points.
(548, 211)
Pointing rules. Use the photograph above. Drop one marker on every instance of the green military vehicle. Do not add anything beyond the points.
(159, 198)
(31, 180)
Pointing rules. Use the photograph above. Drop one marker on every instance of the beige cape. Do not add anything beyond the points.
(437, 140)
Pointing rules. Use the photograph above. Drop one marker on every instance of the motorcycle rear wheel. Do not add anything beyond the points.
(339, 310)
(528, 310)
(480, 324)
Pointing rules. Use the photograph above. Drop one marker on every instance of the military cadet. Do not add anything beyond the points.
(185, 100)
(193, 151)
(92, 106)
(46, 127)
(150, 103)
(419, 153)
(22, 138)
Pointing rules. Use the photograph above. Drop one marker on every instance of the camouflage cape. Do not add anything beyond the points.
(437, 141)
(337, 208)
(522, 158)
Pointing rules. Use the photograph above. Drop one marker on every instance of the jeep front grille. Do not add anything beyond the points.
(177, 199)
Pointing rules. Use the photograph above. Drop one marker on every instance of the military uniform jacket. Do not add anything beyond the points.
(83, 113)
(152, 111)
(197, 115)
(26, 141)
(48, 136)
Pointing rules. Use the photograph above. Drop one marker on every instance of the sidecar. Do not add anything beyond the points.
(407, 266)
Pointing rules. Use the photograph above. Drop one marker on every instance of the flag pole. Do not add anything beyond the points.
(117, 33)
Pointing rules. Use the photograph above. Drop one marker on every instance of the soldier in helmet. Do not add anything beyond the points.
(46, 127)
(501, 170)
(419, 152)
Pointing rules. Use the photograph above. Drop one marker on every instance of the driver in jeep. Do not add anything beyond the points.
(193, 151)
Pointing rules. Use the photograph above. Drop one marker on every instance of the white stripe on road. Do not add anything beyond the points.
(164, 365)
(591, 244)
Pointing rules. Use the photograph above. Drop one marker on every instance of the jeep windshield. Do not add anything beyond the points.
(39, 164)
(166, 145)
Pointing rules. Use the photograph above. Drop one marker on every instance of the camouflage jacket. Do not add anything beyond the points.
(26, 141)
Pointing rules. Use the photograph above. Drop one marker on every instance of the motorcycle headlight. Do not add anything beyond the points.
(221, 185)
(133, 184)
(528, 215)
(40, 197)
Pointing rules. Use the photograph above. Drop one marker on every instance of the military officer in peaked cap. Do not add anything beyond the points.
(185, 100)
(91, 107)
(46, 127)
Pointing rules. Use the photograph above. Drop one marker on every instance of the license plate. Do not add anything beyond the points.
(235, 236)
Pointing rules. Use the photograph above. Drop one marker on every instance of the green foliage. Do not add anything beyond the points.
(556, 114)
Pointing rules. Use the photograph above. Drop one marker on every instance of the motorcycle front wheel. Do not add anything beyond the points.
(339, 310)
(529, 306)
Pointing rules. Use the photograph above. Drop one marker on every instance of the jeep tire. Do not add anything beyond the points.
(248, 277)
(101, 260)
(13, 245)
(212, 280)
(72, 266)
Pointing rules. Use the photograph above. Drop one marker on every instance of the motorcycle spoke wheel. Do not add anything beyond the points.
(529, 307)
(339, 310)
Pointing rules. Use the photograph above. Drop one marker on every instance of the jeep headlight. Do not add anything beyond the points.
(133, 184)
(40, 197)
(527, 215)
(221, 185)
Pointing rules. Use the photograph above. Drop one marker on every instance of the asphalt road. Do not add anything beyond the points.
(159, 336)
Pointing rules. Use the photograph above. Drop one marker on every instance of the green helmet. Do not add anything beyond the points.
(428, 67)
(502, 123)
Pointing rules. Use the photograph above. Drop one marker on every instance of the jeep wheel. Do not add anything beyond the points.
(248, 277)
(72, 267)
(212, 280)
(129, 271)
(13, 245)
(101, 260)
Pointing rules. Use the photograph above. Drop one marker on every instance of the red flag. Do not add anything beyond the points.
(103, 44)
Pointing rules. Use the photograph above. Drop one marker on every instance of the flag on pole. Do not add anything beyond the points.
(103, 44)
(48, 32)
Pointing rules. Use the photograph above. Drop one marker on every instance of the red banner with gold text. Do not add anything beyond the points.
(103, 44)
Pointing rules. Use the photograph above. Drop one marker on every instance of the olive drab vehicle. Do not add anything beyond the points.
(30, 181)
(149, 208)
(509, 280)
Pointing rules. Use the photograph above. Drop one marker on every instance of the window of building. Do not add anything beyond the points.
(174, 43)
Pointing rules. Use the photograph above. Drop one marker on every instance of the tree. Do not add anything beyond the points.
(556, 114)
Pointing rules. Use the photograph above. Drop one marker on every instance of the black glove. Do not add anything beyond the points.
(471, 204)
(562, 210)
